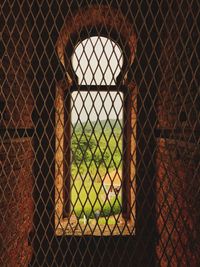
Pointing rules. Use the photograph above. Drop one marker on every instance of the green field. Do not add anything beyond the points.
(96, 150)
(88, 199)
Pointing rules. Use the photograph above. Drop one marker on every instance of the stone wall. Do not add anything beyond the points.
(16, 75)
(16, 153)
(16, 205)
(178, 184)
(178, 151)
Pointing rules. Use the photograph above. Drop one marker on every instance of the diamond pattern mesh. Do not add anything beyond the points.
(96, 165)
(99, 133)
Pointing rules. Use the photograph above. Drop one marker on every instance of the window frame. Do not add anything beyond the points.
(126, 135)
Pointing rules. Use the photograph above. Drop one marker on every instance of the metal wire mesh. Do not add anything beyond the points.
(99, 133)
(94, 189)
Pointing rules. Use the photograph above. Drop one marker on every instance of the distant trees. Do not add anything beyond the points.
(95, 152)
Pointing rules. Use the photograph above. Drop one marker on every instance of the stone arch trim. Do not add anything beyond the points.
(78, 27)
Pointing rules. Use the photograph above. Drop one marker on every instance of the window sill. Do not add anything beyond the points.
(94, 227)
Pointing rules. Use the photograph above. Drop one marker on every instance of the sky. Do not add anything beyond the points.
(97, 60)
(103, 104)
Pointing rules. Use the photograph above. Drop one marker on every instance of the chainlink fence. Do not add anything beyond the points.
(99, 133)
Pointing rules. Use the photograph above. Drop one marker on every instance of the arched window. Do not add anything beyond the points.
(95, 135)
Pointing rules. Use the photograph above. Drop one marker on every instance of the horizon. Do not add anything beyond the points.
(96, 105)
(108, 119)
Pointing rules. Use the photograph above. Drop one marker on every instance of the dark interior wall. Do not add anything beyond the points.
(16, 154)
(178, 203)
(16, 50)
(178, 148)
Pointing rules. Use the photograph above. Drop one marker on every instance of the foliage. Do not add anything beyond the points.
(89, 198)
(96, 150)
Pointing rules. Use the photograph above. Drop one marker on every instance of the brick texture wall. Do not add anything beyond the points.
(178, 152)
(16, 154)
(178, 203)
(16, 205)
(15, 94)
